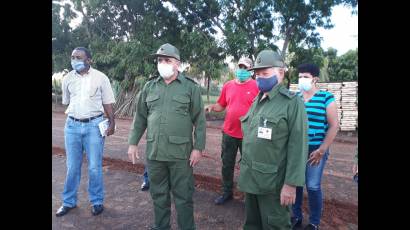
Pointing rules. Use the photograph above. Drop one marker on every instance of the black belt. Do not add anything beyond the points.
(86, 119)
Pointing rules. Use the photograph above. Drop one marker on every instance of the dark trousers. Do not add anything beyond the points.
(230, 146)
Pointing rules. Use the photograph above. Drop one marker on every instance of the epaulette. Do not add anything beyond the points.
(190, 79)
(286, 92)
(153, 77)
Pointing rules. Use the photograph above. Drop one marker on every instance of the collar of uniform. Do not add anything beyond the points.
(179, 78)
(274, 91)
(157, 79)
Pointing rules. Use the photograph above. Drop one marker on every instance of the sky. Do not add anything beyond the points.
(343, 36)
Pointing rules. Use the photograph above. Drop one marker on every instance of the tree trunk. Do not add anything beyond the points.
(284, 48)
(207, 90)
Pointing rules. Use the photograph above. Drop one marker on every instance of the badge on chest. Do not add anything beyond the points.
(264, 131)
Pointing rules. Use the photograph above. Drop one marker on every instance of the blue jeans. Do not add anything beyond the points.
(80, 137)
(146, 180)
(313, 185)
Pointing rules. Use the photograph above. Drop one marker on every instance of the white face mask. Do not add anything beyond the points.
(165, 70)
(305, 84)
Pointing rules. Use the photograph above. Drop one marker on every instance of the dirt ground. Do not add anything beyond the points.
(340, 192)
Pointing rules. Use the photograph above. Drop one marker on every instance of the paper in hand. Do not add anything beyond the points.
(133, 158)
(103, 125)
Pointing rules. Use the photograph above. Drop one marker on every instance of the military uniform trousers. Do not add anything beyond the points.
(175, 177)
(264, 212)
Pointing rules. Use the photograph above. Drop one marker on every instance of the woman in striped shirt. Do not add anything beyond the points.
(323, 126)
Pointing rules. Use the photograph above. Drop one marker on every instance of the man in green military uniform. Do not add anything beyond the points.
(169, 107)
(274, 148)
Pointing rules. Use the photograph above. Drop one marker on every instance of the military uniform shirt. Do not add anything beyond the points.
(169, 113)
(280, 156)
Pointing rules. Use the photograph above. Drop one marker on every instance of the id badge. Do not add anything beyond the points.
(264, 132)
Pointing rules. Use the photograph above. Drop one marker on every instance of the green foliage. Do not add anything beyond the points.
(246, 25)
(332, 67)
(121, 35)
(343, 68)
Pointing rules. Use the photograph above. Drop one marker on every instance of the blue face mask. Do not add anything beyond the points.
(78, 65)
(266, 84)
(242, 74)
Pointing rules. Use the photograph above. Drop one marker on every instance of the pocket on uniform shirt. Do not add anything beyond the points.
(270, 121)
(149, 149)
(181, 104)
(177, 147)
(266, 122)
(265, 174)
(152, 101)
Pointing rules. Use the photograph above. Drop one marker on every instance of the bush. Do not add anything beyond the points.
(56, 87)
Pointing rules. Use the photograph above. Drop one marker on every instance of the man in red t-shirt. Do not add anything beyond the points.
(236, 97)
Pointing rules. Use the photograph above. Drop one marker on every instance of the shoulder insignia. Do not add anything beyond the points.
(287, 93)
(190, 79)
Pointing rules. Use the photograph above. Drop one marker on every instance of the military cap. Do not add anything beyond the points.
(268, 58)
(167, 50)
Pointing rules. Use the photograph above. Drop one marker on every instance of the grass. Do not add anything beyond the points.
(212, 99)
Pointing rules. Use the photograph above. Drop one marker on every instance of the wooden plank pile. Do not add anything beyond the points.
(335, 89)
(346, 102)
(348, 121)
(294, 88)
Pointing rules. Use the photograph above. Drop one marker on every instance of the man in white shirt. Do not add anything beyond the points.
(88, 94)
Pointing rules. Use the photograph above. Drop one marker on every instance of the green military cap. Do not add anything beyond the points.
(268, 58)
(167, 50)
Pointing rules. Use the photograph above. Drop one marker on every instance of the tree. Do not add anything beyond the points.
(61, 35)
(196, 27)
(246, 25)
(206, 58)
(301, 55)
(122, 34)
(343, 68)
(300, 19)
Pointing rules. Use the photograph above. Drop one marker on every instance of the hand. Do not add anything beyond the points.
(287, 195)
(209, 108)
(316, 156)
(133, 153)
(111, 129)
(195, 157)
(355, 168)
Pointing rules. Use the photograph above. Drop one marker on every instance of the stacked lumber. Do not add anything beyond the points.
(345, 95)
(348, 121)
(335, 89)
(293, 88)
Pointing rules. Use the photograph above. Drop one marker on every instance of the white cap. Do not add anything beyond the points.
(246, 62)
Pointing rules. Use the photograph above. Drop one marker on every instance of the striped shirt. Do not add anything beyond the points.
(316, 114)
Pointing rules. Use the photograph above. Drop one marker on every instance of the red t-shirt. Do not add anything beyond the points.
(237, 98)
